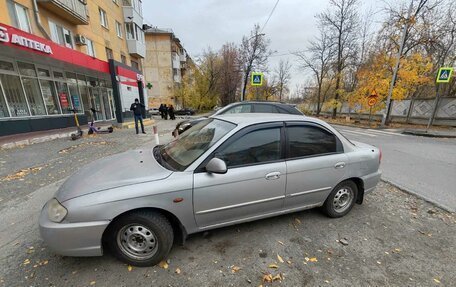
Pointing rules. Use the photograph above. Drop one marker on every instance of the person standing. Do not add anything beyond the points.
(165, 111)
(171, 112)
(160, 109)
(137, 107)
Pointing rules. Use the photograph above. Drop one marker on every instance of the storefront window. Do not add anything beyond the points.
(7, 66)
(64, 99)
(33, 92)
(3, 107)
(74, 91)
(106, 106)
(26, 69)
(50, 97)
(43, 73)
(14, 95)
(96, 103)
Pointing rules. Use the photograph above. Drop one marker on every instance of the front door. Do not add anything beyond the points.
(254, 184)
(315, 165)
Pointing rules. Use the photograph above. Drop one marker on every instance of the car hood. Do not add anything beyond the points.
(131, 167)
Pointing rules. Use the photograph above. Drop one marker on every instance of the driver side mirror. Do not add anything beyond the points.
(216, 165)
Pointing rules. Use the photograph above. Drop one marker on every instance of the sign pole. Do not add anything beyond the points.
(436, 103)
(370, 116)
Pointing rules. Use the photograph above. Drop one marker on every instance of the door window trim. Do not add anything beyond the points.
(339, 145)
(242, 132)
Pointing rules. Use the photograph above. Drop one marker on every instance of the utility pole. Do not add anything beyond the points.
(386, 114)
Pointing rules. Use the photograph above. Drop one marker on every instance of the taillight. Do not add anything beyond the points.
(380, 156)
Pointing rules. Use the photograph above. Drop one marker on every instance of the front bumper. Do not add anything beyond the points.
(72, 239)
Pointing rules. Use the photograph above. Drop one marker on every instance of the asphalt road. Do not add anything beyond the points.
(393, 239)
(421, 165)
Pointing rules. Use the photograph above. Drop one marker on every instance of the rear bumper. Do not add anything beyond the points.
(370, 181)
(72, 239)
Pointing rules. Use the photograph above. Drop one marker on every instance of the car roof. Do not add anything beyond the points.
(290, 108)
(257, 118)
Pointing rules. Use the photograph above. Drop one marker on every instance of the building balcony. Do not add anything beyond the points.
(74, 11)
(136, 48)
(132, 15)
(183, 57)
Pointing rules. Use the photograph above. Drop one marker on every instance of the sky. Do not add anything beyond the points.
(200, 24)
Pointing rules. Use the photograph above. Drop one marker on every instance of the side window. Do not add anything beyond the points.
(309, 141)
(260, 108)
(255, 147)
(239, 109)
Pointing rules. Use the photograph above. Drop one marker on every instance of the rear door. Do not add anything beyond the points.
(254, 183)
(315, 164)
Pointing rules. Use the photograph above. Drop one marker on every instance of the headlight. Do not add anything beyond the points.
(56, 211)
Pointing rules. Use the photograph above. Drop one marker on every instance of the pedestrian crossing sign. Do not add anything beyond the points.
(444, 75)
(257, 79)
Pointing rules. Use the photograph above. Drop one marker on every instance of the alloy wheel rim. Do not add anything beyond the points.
(342, 199)
(137, 241)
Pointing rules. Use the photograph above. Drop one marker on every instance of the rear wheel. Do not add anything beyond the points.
(341, 200)
(141, 238)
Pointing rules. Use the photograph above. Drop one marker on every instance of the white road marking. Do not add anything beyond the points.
(385, 132)
(360, 133)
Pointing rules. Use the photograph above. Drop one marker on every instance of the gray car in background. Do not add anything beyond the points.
(224, 170)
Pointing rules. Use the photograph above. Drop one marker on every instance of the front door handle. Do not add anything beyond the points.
(339, 165)
(273, 175)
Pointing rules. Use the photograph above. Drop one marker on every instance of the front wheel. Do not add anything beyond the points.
(341, 199)
(141, 238)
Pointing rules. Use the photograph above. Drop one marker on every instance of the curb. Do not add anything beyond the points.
(429, 135)
(35, 140)
(420, 196)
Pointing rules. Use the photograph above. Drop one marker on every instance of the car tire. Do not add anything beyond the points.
(341, 199)
(142, 238)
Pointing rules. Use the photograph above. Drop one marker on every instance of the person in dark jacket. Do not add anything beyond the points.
(171, 112)
(165, 111)
(162, 113)
(137, 107)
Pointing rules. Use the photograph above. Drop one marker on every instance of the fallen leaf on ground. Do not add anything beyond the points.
(396, 250)
(436, 280)
(297, 221)
(163, 264)
(92, 283)
(235, 269)
(280, 242)
(280, 258)
(178, 271)
(129, 268)
(313, 259)
(26, 261)
(289, 262)
(278, 277)
(267, 278)
(273, 266)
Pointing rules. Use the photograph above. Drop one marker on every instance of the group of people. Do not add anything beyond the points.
(166, 111)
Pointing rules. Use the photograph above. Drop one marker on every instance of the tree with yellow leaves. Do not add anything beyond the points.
(375, 75)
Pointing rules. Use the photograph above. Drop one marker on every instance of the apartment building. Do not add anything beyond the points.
(164, 66)
(57, 55)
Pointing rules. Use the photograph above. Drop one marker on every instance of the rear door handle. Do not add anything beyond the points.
(273, 175)
(339, 165)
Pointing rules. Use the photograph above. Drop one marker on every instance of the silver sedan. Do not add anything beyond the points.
(225, 170)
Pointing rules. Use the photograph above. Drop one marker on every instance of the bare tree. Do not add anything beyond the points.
(254, 54)
(283, 76)
(342, 22)
(317, 58)
(230, 76)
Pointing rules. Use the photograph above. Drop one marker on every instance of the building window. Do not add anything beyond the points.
(123, 59)
(135, 64)
(90, 48)
(134, 32)
(103, 18)
(119, 29)
(61, 35)
(14, 95)
(136, 4)
(19, 16)
(109, 54)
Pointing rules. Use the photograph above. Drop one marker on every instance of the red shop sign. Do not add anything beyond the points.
(63, 100)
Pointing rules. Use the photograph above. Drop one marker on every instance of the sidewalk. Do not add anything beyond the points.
(18, 140)
(431, 133)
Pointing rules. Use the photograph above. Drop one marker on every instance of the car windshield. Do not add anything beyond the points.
(182, 152)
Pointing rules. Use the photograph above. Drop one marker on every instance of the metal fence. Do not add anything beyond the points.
(414, 111)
